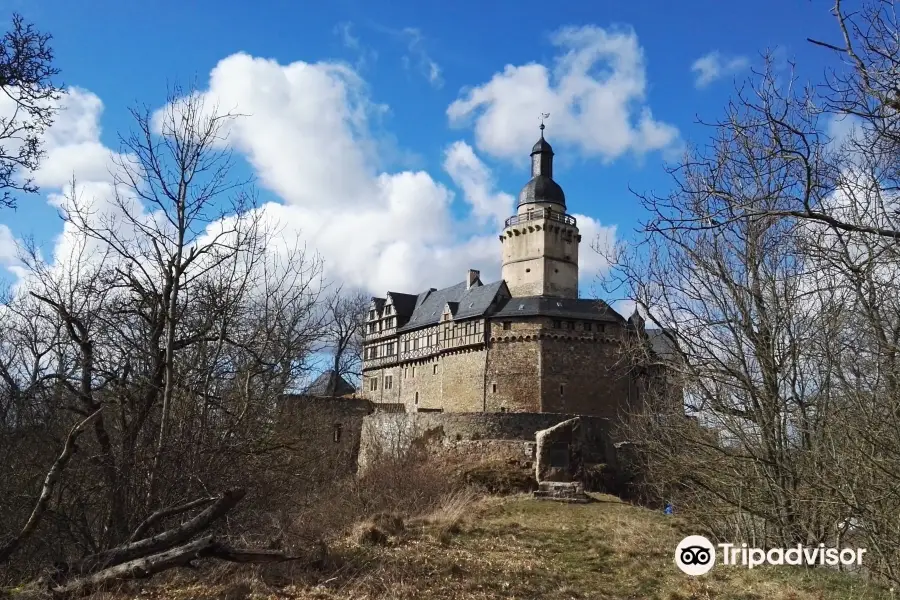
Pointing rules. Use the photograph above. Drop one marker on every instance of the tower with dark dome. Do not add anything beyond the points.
(540, 242)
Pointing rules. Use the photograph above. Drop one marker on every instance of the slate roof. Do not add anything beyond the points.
(564, 308)
(473, 302)
(379, 303)
(542, 189)
(542, 145)
(329, 384)
(477, 300)
(403, 303)
(660, 343)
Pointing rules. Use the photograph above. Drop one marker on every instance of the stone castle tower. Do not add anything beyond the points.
(540, 242)
(525, 343)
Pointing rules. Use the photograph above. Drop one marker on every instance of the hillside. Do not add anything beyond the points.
(521, 548)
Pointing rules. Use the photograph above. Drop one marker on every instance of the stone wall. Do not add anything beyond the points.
(420, 384)
(463, 381)
(527, 365)
(513, 380)
(515, 452)
(327, 430)
(389, 385)
(583, 377)
(393, 434)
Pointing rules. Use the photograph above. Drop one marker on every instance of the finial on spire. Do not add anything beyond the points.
(543, 116)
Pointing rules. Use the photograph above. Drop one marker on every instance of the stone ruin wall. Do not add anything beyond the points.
(481, 437)
(349, 434)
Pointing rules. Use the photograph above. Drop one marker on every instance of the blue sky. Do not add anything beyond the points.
(412, 63)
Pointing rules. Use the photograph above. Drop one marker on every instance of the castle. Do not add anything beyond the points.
(526, 343)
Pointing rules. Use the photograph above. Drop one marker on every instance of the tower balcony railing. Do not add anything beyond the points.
(541, 213)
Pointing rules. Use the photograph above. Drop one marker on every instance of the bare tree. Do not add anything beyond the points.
(774, 265)
(177, 312)
(26, 73)
(346, 318)
(735, 299)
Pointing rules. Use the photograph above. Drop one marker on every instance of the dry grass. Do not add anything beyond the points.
(517, 547)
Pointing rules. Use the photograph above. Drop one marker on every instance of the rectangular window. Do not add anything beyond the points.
(371, 314)
(557, 324)
(406, 345)
(373, 384)
(414, 371)
(570, 324)
(416, 344)
(494, 388)
(587, 326)
(601, 328)
(390, 349)
(417, 397)
(336, 436)
(388, 382)
(507, 325)
(434, 369)
(562, 389)
(406, 372)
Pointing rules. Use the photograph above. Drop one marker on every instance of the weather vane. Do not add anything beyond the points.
(543, 116)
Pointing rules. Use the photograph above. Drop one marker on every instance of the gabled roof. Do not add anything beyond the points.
(403, 303)
(379, 303)
(464, 303)
(565, 308)
(329, 383)
(477, 300)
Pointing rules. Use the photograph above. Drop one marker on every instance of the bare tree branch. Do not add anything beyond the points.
(47, 489)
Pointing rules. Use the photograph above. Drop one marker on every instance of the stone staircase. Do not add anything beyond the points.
(562, 491)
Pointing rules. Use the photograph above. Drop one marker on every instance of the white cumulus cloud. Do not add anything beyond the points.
(306, 131)
(595, 94)
(715, 65)
(474, 178)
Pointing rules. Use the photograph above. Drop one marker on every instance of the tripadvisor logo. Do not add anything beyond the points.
(696, 555)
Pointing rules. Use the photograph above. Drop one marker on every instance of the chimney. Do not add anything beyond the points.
(472, 278)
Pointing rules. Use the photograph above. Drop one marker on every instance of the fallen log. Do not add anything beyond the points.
(159, 515)
(162, 541)
(180, 556)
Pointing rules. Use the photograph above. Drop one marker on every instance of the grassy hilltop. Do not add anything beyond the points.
(518, 547)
